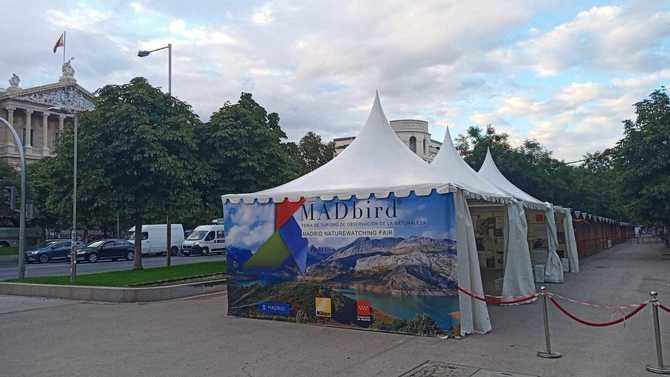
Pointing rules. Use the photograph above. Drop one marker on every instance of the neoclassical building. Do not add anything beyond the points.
(413, 132)
(39, 114)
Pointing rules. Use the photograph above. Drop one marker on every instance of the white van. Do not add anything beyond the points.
(154, 238)
(205, 239)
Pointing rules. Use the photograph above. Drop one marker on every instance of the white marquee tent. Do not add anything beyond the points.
(377, 162)
(518, 270)
(553, 272)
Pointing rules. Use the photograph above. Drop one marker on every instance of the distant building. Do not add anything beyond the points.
(33, 113)
(414, 133)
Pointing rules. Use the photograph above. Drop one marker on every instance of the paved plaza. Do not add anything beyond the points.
(194, 337)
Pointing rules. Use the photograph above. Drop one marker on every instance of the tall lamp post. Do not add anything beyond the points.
(22, 215)
(73, 235)
(142, 54)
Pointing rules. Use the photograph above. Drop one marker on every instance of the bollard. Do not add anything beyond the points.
(548, 354)
(659, 368)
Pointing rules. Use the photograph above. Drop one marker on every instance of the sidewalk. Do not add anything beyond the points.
(194, 337)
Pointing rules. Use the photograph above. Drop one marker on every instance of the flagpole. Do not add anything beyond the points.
(64, 47)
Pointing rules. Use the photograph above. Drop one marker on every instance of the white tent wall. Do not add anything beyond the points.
(570, 240)
(474, 313)
(518, 278)
(553, 269)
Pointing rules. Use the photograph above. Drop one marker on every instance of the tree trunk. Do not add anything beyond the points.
(168, 237)
(137, 264)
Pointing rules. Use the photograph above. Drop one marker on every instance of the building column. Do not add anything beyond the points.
(61, 119)
(45, 133)
(10, 141)
(29, 127)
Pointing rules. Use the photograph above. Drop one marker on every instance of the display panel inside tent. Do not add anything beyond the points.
(489, 225)
(387, 264)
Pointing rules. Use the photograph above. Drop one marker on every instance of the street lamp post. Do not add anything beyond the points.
(22, 215)
(73, 235)
(168, 225)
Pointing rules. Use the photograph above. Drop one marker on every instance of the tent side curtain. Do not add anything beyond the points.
(553, 269)
(570, 240)
(518, 278)
(474, 313)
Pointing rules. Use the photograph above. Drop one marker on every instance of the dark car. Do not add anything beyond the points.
(51, 250)
(113, 249)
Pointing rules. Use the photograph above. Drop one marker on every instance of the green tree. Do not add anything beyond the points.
(643, 156)
(9, 180)
(314, 152)
(137, 158)
(242, 144)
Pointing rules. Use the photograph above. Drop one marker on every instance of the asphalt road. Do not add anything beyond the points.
(194, 337)
(8, 266)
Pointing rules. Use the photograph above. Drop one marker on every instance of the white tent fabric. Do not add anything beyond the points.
(450, 166)
(490, 172)
(474, 313)
(553, 269)
(518, 279)
(378, 162)
(570, 241)
(518, 276)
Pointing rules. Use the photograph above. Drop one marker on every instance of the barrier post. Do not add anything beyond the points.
(659, 368)
(548, 354)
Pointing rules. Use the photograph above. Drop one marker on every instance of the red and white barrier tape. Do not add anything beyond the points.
(665, 308)
(499, 300)
(598, 324)
(592, 305)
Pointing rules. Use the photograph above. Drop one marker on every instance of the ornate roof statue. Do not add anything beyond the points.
(68, 72)
(14, 82)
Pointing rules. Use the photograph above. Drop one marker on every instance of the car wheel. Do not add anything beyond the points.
(44, 258)
(4, 244)
(92, 258)
(174, 250)
(130, 255)
(205, 251)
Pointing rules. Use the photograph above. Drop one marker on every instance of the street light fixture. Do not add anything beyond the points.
(142, 54)
(73, 235)
(22, 215)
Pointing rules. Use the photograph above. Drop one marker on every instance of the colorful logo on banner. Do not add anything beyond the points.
(274, 308)
(323, 306)
(363, 311)
(285, 242)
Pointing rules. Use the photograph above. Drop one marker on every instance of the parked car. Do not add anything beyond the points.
(51, 250)
(154, 238)
(204, 239)
(113, 249)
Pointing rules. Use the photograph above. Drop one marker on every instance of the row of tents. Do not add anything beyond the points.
(379, 164)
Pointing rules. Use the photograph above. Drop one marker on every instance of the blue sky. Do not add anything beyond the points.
(563, 72)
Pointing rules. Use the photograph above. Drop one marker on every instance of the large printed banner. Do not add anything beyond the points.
(386, 264)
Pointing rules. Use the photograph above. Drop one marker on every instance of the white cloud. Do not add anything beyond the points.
(263, 15)
(137, 7)
(78, 18)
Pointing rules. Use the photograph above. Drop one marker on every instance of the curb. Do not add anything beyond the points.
(113, 294)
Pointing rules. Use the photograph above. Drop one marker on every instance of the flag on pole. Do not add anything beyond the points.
(60, 42)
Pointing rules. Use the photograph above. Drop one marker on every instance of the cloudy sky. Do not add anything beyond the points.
(562, 72)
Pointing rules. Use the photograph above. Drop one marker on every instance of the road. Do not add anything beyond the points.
(194, 337)
(8, 268)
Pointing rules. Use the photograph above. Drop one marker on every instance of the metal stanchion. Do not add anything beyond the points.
(548, 354)
(659, 368)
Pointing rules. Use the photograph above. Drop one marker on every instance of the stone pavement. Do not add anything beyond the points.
(194, 337)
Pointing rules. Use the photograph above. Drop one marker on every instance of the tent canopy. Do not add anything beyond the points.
(453, 169)
(489, 171)
(377, 162)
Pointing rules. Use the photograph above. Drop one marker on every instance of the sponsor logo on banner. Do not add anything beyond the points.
(363, 310)
(323, 307)
(274, 308)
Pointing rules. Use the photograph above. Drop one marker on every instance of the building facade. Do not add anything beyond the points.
(40, 114)
(413, 132)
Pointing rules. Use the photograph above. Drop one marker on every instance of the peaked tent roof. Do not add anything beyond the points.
(377, 161)
(452, 168)
(490, 172)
